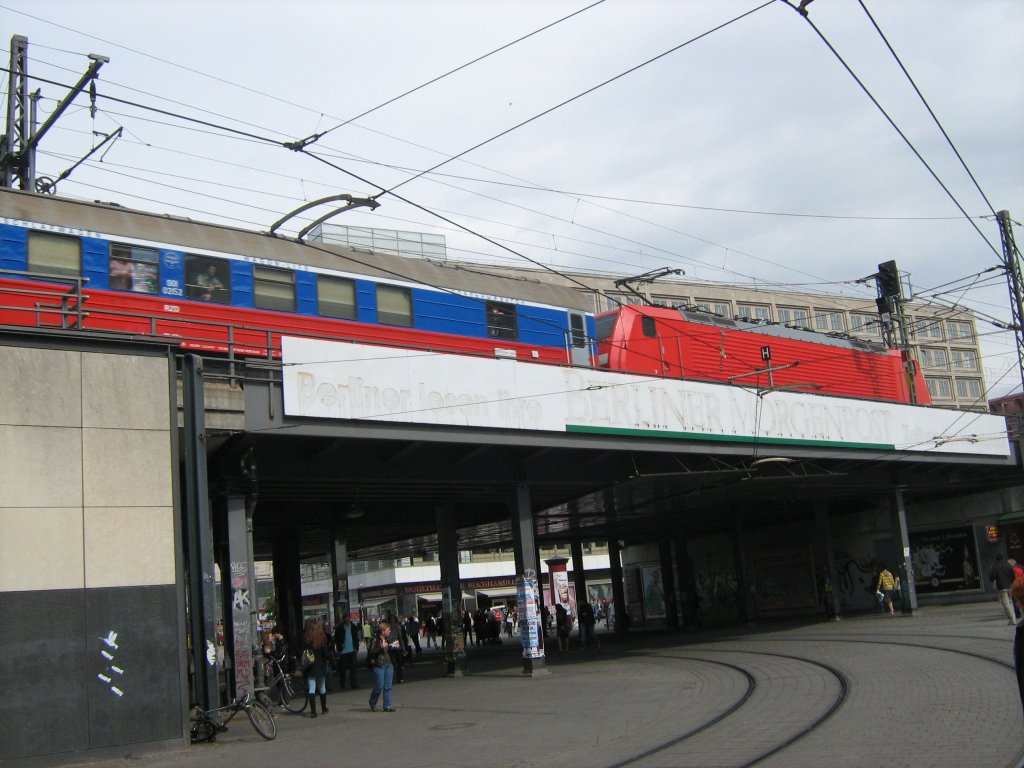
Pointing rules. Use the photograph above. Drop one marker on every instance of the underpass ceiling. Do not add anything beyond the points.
(314, 483)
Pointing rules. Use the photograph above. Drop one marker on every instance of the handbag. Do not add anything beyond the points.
(307, 659)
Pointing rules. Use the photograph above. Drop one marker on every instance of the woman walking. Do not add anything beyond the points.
(379, 654)
(315, 640)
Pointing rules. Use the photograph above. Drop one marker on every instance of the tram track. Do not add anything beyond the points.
(815, 723)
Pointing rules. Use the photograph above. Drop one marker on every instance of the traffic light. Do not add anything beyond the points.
(889, 280)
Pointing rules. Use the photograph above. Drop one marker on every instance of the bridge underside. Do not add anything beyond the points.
(379, 485)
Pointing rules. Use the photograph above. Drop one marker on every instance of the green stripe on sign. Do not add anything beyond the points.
(622, 432)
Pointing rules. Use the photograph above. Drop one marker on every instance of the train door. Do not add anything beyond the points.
(579, 345)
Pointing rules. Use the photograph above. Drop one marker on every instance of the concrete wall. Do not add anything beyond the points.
(90, 626)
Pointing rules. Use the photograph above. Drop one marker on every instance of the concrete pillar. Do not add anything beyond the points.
(451, 590)
(527, 562)
(831, 593)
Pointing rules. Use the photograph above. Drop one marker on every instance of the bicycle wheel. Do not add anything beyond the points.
(291, 699)
(261, 720)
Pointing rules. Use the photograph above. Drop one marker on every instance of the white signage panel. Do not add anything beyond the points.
(332, 380)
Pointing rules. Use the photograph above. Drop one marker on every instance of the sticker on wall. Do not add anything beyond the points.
(111, 674)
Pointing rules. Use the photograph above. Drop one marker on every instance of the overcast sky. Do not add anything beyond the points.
(748, 156)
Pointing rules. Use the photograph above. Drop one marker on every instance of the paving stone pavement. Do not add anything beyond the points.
(935, 689)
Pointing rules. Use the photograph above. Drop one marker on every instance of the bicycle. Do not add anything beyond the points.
(207, 723)
(280, 688)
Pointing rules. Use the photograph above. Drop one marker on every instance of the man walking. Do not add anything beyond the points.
(1002, 576)
(346, 640)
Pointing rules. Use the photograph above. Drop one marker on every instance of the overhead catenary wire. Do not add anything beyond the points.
(895, 127)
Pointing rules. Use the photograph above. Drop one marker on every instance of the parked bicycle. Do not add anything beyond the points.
(280, 688)
(207, 723)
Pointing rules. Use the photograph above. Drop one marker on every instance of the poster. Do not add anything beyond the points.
(653, 592)
(944, 560)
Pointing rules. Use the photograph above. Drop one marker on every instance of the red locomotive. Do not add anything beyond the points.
(701, 346)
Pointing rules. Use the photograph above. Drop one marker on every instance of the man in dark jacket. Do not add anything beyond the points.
(1002, 576)
(346, 640)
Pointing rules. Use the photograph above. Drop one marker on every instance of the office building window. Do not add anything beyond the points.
(864, 324)
(829, 321)
(794, 317)
(927, 328)
(968, 389)
(933, 358)
(959, 330)
(755, 311)
(939, 388)
(964, 359)
(716, 307)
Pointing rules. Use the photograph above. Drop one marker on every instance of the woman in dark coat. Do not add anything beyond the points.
(315, 639)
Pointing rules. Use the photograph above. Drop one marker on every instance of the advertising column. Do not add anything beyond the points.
(529, 622)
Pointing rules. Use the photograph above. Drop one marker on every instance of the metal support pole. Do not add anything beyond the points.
(908, 591)
(668, 578)
(199, 557)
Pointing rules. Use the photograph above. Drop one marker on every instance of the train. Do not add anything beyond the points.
(224, 290)
(697, 345)
(220, 289)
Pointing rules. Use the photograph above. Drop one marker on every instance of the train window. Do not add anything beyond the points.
(579, 336)
(207, 279)
(605, 325)
(54, 254)
(274, 288)
(133, 268)
(502, 322)
(394, 305)
(336, 297)
(647, 326)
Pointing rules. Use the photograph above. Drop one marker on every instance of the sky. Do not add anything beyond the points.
(721, 137)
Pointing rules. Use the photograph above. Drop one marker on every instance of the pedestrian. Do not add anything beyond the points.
(563, 626)
(346, 640)
(314, 639)
(587, 622)
(508, 622)
(1002, 576)
(467, 629)
(414, 633)
(378, 656)
(431, 625)
(885, 585)
(1017, 593)
(397, 649)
